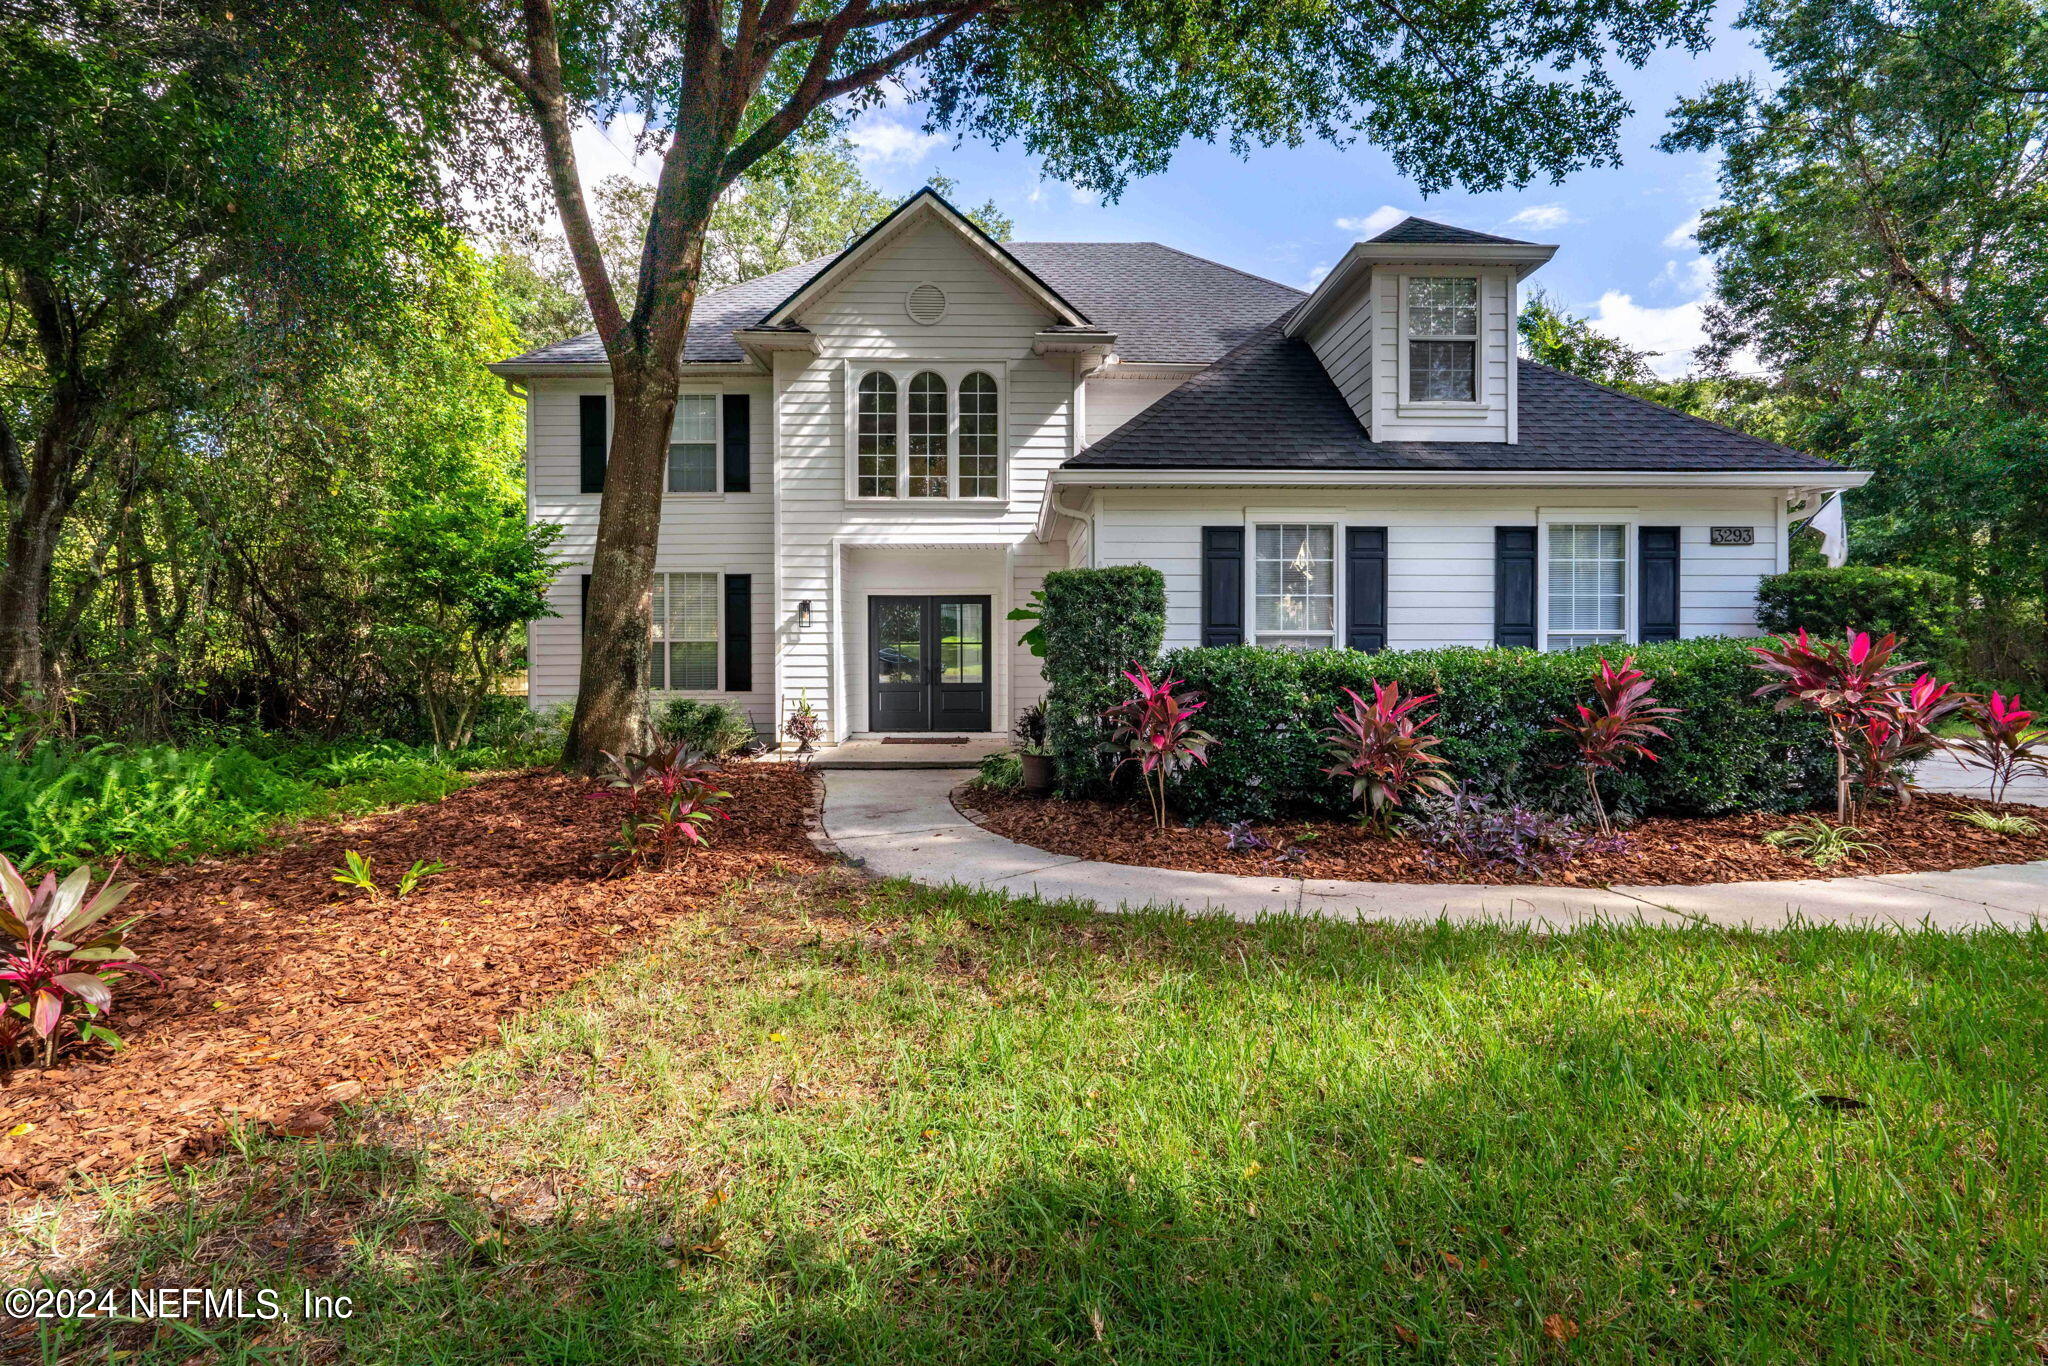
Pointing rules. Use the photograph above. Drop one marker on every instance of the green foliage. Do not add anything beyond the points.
(1919, 606)
(1097, 623)
(1000, 772)
(1821, 844)
(1728, 752)
(709, 728)
(355, 872)
(62, 805)
(1565, 342)
(1997, 824)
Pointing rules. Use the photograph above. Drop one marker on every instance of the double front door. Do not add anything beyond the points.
(928, 663)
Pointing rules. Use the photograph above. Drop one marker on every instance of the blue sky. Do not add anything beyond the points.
(1626, 259)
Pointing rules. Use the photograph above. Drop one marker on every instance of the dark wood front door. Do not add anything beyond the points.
(928, 663)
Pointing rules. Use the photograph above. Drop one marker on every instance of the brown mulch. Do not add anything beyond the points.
(1922, 838)
(285, 992)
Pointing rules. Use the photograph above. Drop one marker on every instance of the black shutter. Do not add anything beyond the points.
(590, 420)
(739, 438)
(1657, 572)
(739, 632)
(1365, 587)
(1514, 586)
(1222, 585)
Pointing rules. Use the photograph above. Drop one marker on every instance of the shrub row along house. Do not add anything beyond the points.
(877, 455)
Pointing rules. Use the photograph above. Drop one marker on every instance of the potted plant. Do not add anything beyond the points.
(1032, 750)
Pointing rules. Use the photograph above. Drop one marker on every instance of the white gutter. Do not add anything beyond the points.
(1052, 506)
(584, 369)
(1270, 478)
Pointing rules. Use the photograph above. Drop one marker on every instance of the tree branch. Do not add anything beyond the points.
(907, 11)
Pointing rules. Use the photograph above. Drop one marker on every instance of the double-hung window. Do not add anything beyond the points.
(684, 651)
(1294, 591)
(1443, 338)
(1588, 592)
(927, 433)
(693, 445)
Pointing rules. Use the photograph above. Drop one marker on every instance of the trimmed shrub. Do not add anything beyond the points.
(1728, 752)
(1916, 605)
(1098, 622)
(710, 728)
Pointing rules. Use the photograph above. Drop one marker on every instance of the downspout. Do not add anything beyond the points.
(1059, 509)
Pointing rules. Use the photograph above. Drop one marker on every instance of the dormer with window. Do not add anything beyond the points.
(1416, 328)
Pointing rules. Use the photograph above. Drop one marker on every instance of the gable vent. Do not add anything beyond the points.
(926, 304)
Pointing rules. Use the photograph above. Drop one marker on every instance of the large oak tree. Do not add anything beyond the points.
(1480, 92)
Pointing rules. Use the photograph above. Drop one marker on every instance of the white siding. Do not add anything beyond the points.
(1392, 417)
(1440, 547)
(729, 533)
(1343, 342)
(1112, 400)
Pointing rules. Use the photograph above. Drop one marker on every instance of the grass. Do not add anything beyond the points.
(65, 803)
(831, 1121)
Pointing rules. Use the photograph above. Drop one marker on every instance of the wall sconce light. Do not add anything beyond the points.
(803, 613)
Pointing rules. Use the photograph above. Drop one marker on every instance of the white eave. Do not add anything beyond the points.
(1272, 478)
(1523, 257)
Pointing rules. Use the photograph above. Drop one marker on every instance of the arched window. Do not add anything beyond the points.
(927, 436)
(980, 437)
(877, 433)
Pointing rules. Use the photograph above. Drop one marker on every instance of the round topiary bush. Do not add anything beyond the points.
(1919, 606)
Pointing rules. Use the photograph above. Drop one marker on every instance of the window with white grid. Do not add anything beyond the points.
(877, 436)
(1588, 574)
(1295, 586)
(693, 445)
(1443, 339)
(684, 653)
(922, 434)
(979, 438)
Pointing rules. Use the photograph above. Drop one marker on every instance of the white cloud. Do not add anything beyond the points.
(1694, 278)
(879, 139)
(1683, 233)
(1541, 217)
(1315, 276)
(611, 150)
(1374, 223)
(1670, 332)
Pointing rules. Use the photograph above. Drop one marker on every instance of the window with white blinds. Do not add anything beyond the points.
(1588, 593)
(684, 657)
(693, 445)
(1294, 591)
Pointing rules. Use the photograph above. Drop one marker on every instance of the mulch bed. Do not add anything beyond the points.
(1919, 839)
(285, 992)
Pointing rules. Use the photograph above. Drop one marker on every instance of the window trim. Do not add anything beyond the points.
(952, 372)
(1266, 517)
(718, 577)
(717, 489)
(1481, 400)
(1626, 519)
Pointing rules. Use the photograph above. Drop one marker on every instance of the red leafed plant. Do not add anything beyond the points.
(1616, 728)
(1850, 683)
(1381, 747)
(671, 795)
(57, 977)
(1156, 731)
(2004, 743)
(1901, 731)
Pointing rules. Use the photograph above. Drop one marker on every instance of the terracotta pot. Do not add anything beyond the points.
(1037, 771)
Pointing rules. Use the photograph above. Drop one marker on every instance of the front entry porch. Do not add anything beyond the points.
(954, 749)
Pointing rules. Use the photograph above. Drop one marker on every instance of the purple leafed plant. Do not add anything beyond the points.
(671, 796)
(2005, 742)
(1156, 731)
(1615, 729)
(1240, 838)
(1498, 837)
(1383, 748)
(57, 976)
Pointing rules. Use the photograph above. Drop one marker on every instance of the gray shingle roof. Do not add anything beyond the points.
(1422, 230)
(1164, 305)
(1270, 405)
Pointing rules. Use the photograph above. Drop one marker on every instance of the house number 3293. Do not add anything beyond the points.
(1731, 535)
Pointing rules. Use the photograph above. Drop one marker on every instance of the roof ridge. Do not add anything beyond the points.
(1209, 261)
(1667, 408)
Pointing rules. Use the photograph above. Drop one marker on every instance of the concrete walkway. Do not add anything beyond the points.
(1947, 773)
(902, 823)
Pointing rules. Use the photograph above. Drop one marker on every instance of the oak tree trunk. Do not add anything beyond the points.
(39, 500)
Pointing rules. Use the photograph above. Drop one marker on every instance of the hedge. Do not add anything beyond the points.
(1919, 606)
(1097, 623)
(1729, 752)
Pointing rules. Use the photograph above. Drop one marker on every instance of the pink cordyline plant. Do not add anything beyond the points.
(1615, 728)
(671, 796)
(2004, 743)
(1851, 684)
(58, 974)
(1382, 748)
(1156, 731)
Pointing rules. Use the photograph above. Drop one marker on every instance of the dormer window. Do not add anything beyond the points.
(1443, 339)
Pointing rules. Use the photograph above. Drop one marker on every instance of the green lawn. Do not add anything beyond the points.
(835, 1122)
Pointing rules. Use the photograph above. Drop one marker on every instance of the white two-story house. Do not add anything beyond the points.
(877, 455)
